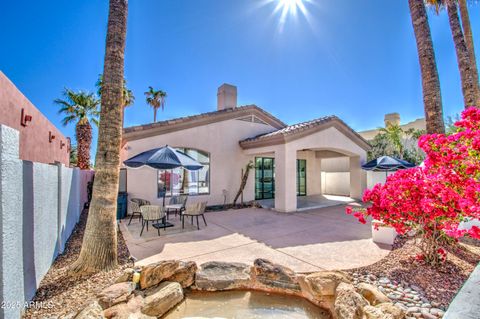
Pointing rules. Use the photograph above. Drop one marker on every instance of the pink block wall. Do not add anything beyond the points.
(34, 138)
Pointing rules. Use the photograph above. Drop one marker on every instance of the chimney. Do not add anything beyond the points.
(392, 119)
(226, 97)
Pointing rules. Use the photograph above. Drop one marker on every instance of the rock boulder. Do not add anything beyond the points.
(115, 294)
(159, 300)
(154, 274)
(274, 276)
(349, 304)
(372, 294)
(184, 274)
(215, 276)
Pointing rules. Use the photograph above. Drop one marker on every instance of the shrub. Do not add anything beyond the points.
(434, 199)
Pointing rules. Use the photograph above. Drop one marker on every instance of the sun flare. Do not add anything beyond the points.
(290, 9)
(290, 6)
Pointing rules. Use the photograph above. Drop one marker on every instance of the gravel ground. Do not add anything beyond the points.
(435, 287)
(60, 294)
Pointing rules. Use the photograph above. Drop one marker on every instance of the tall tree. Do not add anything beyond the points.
(99, 247)
(468, 75)
(467, 32)
(128, 97)
(82, 108)
(470, 88)
(432, 97)
(156, 99)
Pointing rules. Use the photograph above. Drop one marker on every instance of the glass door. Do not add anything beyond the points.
(264, 178)
(301, 177)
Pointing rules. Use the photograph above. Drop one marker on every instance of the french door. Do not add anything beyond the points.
(301, 177)
(264, 178)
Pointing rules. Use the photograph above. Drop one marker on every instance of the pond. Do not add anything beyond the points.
(245, 304)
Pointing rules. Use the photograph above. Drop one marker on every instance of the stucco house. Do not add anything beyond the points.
(288, 158)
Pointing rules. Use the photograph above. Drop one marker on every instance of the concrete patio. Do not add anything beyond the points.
(324, 238)
(311, 201)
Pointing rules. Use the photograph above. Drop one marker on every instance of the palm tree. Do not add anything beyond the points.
(156, 99)
(128, 96)
(432, 97)
(467, 32)
(99, 247)
(395, 135)
(468, 76)
(82, 108)
(73, 155)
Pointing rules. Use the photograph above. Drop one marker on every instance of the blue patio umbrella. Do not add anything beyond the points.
(163, 158)
(386, 164)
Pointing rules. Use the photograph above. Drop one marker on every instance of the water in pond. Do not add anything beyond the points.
(245, 304)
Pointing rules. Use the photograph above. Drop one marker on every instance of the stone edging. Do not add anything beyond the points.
(160, 287)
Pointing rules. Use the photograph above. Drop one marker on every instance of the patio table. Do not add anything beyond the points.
(176, 207)
(164, 223)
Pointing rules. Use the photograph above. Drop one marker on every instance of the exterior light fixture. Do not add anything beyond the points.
(51, 137)
(25, 118)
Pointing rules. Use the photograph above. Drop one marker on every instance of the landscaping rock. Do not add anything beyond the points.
(115, 294)
(215, 276)
(387, 311)
(371, 312)
(323, 283)
(154, 274)
(126, 276)
(91, 311)
(349, 304)
(162, 298)
(184, 274)
(274, 276)
(372, 294)
(129, 310)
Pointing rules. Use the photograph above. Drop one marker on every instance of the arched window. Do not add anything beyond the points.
(181, 181)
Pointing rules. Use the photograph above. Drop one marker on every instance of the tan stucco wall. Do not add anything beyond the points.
(34, 142)
(285, 164)
(227, 159)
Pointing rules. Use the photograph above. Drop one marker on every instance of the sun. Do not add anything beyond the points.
(290, 7)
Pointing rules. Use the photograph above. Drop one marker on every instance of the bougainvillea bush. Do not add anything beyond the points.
(434, 199)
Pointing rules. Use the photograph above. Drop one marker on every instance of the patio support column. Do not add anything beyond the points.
(285, 179)
(358, 178)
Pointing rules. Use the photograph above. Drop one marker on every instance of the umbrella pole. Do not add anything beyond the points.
(164, 193)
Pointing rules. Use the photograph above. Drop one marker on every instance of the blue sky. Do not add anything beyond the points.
(354, 59)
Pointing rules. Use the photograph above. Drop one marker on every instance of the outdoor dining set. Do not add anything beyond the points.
(164, 158)
(159, 216)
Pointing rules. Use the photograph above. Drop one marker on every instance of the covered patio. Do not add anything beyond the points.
(324, 238)
(288, 163)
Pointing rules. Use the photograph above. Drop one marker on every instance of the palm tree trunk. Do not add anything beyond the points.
(470, 88)
(99, 248)
(432, 97)
(467, 32)
(154, 115)
(84, 142)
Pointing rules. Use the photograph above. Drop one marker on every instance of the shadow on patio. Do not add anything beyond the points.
(324, 238)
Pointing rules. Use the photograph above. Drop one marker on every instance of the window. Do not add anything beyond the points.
(181, 181)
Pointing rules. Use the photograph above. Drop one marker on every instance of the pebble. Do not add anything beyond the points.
(427, 315)
(413, 310)
(407, 297)
(437, 312)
